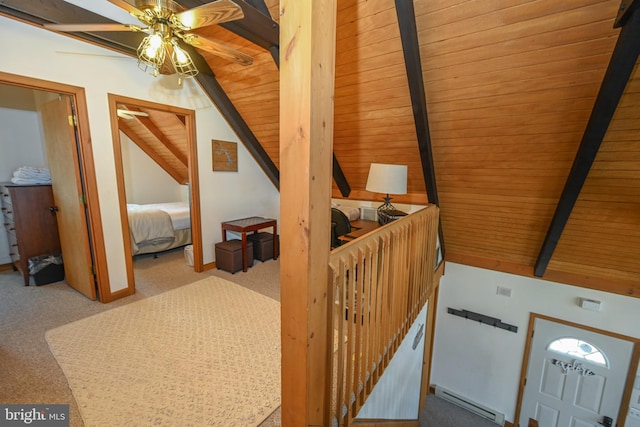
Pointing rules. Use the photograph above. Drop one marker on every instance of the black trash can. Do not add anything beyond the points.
(46, 269)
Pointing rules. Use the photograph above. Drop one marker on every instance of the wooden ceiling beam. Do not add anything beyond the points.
(626, 9)
(338, 175)
(124, 128)
(59, 12)
(159, 135)
(621, 65)
(340, 178)
(262, 7)
(413, 64)
(212, 87)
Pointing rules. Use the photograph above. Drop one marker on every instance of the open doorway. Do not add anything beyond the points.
(61, 114)
(148, 137)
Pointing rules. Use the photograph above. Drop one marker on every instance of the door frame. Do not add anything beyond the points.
(83, 141)
(194, 187)
(631, 373)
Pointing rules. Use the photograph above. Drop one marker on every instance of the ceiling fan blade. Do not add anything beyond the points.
(126, 6)
(129, 115)
(210, 13)
(218, 49)
(92, 27)
(132, 112)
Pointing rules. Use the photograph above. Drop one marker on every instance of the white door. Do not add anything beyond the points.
(575, 377)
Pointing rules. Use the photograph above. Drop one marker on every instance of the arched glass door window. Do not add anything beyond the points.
(578, 349)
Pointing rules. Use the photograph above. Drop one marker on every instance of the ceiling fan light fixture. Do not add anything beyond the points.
(151, 54)
(182, 62)
(167, 24)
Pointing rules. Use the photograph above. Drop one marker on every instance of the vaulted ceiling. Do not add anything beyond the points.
(504, 112)
(161, 135)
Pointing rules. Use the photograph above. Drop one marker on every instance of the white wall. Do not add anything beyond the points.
(483, 363)
(145, 181)
(21, 141)
(396, 395)
(20, 144)
(46, 55)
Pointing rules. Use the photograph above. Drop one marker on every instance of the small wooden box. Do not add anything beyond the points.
(229, 255)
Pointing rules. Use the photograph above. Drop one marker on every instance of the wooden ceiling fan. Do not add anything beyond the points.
(167, 23)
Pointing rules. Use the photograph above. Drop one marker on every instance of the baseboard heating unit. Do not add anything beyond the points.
(469, 405)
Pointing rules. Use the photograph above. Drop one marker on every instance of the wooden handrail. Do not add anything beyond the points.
(378, 284)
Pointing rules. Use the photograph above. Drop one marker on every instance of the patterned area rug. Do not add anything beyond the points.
(207, 353)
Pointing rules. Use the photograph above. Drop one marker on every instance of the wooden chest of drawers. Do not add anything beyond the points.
(31, 227)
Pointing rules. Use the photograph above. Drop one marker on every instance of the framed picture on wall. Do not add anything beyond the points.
(225, 156)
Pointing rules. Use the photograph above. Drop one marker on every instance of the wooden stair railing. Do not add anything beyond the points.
(378, 284)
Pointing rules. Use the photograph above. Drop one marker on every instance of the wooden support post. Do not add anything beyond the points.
(307, 62)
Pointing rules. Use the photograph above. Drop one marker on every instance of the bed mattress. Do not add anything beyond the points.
(178, 212)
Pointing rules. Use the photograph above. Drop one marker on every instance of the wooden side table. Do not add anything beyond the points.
(245, 225)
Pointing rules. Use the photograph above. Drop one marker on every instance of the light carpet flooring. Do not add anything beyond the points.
(30, 374)
(207, 353)
(28, 371)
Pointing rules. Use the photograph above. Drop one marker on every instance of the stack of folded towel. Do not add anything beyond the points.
(30, 175)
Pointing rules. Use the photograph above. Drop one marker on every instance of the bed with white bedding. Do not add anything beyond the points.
(159, 227)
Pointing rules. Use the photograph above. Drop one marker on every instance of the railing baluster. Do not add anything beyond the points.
(379, 283)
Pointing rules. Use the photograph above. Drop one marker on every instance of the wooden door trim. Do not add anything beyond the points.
(631, 373)
(87, 160)
(194, 188)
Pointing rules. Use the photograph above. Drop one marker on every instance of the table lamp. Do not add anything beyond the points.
(387, 179)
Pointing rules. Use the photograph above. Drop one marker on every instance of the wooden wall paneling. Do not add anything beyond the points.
(177, 173)
(621, 66)
(585, 92)
(352, 87)
(489, 29)
(159, 136)
(394, 97)
(379, 76)
(350, 11)
(524, 52)
(523, 87)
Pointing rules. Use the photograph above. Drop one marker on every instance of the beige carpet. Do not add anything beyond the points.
(207, 353)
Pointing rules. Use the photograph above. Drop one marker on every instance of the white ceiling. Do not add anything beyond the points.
(106, 9)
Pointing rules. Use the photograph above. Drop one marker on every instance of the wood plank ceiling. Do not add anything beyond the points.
(161, 135)
(510, 87)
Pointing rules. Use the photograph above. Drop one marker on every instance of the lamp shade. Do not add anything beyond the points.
(387, 179)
